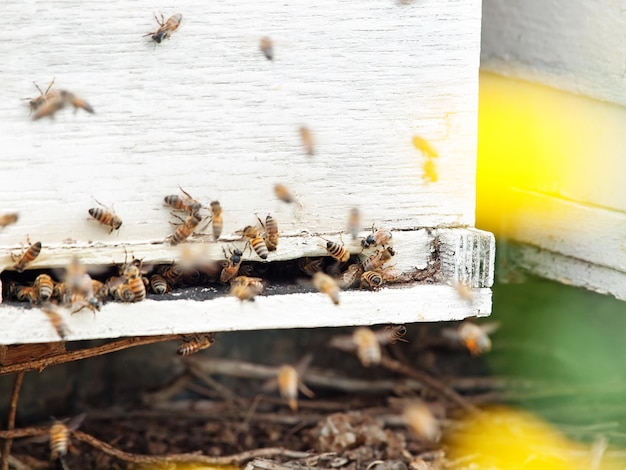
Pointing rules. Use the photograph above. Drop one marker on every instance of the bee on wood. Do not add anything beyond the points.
(256, 241)
(8, 219)
(326, 285)
(38, 101)
(354, 222)
(351, 276)
(106, 217)
(183, 203)
(371, 280)
(166, 28)
(310, 267)
(270, 235)
(232, 265)
(216, 219)
(242, 290)
(132, 273)
(474, 337)
(25, 294)
(57, 100)
(158, 284)
(282, 192)
(378, 237)
(123, 293)
(424, 146)
(266, 46)
(44, 286)
(195, 343)
(255, 283)
(337, 251)
(172, 274)
(56, 319)
(186, 229)
(27, 257)
(367, 346)
(308, 141)
(390, 274)
(377, 259)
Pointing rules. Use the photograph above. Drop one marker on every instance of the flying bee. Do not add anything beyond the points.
(216, 219)
(308, 141)
(256, 241)
(310, 267)
(354, 222)
(195, 343)
(8, 219)
(289, 381)
(270, 228)
(379, 236)
(56, 319)
(266, 46)
(367, 346)
(377, 259)
(44, 286)
(254, 283)
(60, 435)
(132, 273)
(425, 147)
(183, 203)
(420, 420)
(243, 292)
(232, 265)
(172, 274)
(186, 229)
(282, 192)
(337, 251)
(166, 28)
(464, 291)
(351, 276)
(474, 337)
(326, 285)
(56, 100)
(372, 280)
(27, 257)
(106, 217)
(158, 284)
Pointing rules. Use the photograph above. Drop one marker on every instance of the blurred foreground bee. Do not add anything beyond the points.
(56, 100)
(106, 217)
(246, 288)
(8, 219)
(337, 251)
(166, 28)
(424, 146)
(255, 283)
(216, 219)
(354, 222)
(421, 421)
(195, 343)
(183, 203)
(282, 192)
(186, 229)
(308, 141)
(326, 285)
(379, 236)
(474, 337)
(56, 318)
(60, 435)
(367, 346)
(44, 286)
(256, 241)
(464, 291)
(266, 46)
(270, 235)
(289, 383)
(27, 257)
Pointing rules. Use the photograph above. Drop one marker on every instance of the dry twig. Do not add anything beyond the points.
(6, 448)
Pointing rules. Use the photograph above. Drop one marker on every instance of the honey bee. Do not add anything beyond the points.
(424, 146)
(354, 222)
(256, 241)
(367, 346)
(243, 292)
(123, 293)
(266, 46)
(27, 257)
(158, 284)
(60, 435)
(464, 291)
(420, 420)
(337, 251)
(61, 291)
(8, 219)
(377, 259)
(326, 285)
(216, 219)
(183, 203)
(166, 28)
(310, 267)
(232, 265)
(132, 273)
(184, 231)
(255, 283)
(350, 276)
(289, 382)
(56, 318)
(55, 100)
(474, 337)
(195, 343)
(308, 141)
(372, 280)
(99, 290)
(379, 236)
(44, 286)
(282, 192)
(106, 217)
(270, 228)
(37, 102)
(390, 274)
(26, 294)
(172, 274)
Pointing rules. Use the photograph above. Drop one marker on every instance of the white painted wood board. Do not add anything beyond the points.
(573, 45)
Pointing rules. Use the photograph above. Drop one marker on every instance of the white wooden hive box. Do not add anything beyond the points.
(206, 111)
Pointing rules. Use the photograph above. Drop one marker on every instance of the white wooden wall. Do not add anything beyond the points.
(207, 112)
(576, 46)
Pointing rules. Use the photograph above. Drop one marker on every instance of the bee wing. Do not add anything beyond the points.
(306, 391)
(489, 327)
(451, 334)
(303, 364)
(75, 422)
(269, 385)
(343, 342)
